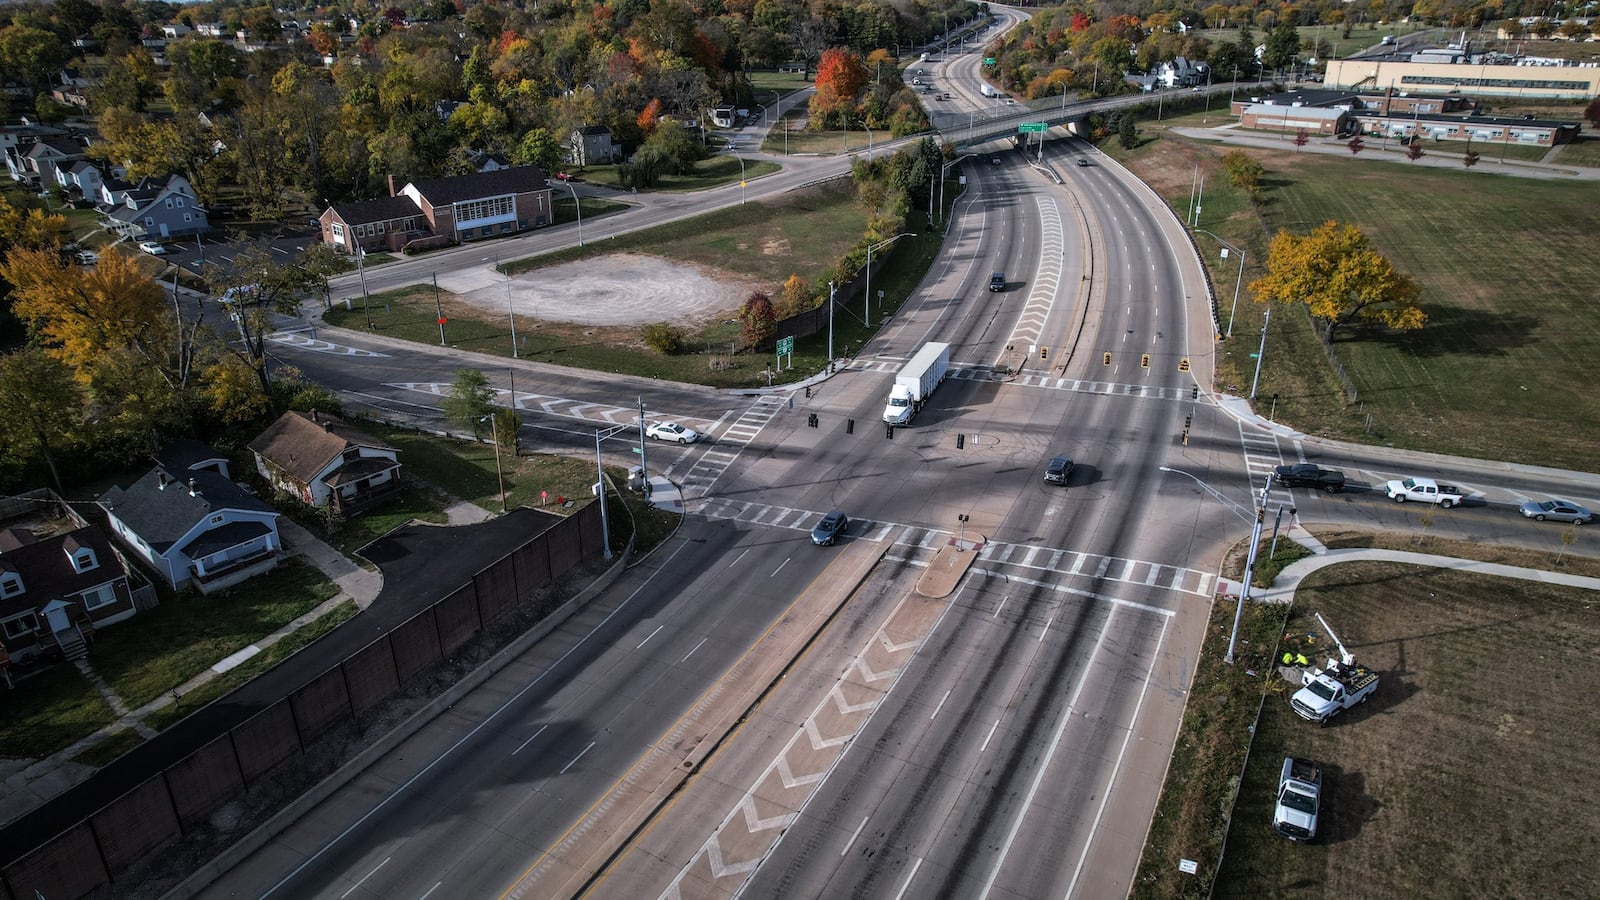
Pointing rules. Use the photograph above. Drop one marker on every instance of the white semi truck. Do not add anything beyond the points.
(916, 382)
(1328, 691)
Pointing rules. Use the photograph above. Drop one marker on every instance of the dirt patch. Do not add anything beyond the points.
(1466, 752)
(615, 289)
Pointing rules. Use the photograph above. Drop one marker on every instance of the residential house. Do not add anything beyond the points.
(439, 211)
(592, 145)
(489, 162)
(81, 179)
(175, 31)
(152, 209)
(35, 163)
(70, 96)
(326, 462)
(56, 589)
(1181, 72)
(190, 522)
(17, 140)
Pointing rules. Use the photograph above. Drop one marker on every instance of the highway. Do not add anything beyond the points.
(1007, 739)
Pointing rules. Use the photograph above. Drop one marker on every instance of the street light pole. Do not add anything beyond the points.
(1261, 353)
(1249, 569)
(741, 176)
(577, 210)
(510, 310)
(1238, 282)
(830, 327)
(494, 430)
(361, 272)
(869, 268)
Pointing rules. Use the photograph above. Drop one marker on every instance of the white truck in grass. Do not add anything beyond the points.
(1294, 816)
(1331, 690)
(916, 382)
(1424, 490)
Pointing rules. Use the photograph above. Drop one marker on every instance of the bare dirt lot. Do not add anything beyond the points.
(1466, 775)
(612, 289)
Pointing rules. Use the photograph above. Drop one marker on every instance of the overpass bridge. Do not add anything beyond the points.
(967, 130)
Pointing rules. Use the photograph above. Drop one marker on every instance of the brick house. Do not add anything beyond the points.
(438, 211)
(55, 590)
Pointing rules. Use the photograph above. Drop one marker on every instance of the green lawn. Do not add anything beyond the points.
(161, 648)
(49, 711)
(1504, 265)
(708, 173)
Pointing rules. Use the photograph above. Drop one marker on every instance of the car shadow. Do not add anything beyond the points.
(1346, 804)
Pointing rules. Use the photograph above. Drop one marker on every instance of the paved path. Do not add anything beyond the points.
(1289, 579)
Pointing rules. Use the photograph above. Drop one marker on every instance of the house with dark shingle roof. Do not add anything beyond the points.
(326, 462)
(192, 524)
(442, 210)
(55, 590)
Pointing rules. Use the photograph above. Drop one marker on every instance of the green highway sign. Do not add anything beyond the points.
(785, 345)
(1033, 127)
(988, 60)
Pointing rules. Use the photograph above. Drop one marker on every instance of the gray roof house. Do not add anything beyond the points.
(192, 524)
(592, 145)
(35, 163)
(153, 209)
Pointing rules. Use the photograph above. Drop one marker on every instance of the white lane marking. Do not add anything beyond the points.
(1046, 629)
(909, 875)
(780, 566)
(940, 706)
(530, 739)
(1001, 606)
(1112, 781)
(435, 887)
(737, 558)
(468, 736)
(990, 736)
(853, 837)
(1044, 764)
(576, 758)
(652, 634)
(365, 877)
(691, 651)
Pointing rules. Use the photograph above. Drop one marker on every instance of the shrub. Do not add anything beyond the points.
(664, 338)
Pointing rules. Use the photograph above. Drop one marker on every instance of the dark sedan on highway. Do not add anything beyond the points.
(1311, 476)
(828, 530)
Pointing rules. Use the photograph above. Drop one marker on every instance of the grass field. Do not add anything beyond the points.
(712, 172)
(161, 648)
(49, 711)
(1505, 268)
(803, 233)
(1462, 776)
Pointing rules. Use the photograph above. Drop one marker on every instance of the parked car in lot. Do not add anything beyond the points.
(672, 431)
(1058, 470)
(1310, 475)
(154, 248)
(1557, 511)
(828, 530)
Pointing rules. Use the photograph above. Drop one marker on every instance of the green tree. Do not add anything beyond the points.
(1283, 45)
(470, 401)
(40, 406)
(253, 287)
(1127, 132)
(31, 55)
(1243, 171)
(538, 148)
(1341, 280)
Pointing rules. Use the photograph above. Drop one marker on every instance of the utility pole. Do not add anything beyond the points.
(1249, 568)
(830, 328)
(1261, 354)
(644, 466)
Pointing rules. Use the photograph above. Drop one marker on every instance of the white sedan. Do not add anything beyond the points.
(672, 431)
(155, 248)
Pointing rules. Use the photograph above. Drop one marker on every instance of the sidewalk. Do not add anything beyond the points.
(1283, 588)
(42, 780)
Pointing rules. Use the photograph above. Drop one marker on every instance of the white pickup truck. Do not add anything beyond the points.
(1424, 490)
(1299, 795)
(1328, 691)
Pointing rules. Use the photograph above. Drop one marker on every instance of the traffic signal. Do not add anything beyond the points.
(890, 433)
(1044, 352)
(1194, 392)
(1144, 361)
(1183, 364)
(1187, 421)
(849, 426)
(961, 442)
(1105, 358)
(812, 420)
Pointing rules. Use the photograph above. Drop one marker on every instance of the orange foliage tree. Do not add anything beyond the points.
(841, 76)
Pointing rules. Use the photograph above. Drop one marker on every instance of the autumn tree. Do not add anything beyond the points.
(253, 287)
(40, 405)
(757, 320)
(841, 76)
(1356, 145)
(1301, 139)
(1591, 113)
(1244, 171)
(81, 316)
(1414, 150)
(1340, 278)
(797, 296)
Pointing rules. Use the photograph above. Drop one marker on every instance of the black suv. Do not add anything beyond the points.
(1059, 470)
(1311, 476)
(997, 281)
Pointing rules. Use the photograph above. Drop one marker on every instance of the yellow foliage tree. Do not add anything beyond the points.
(1340, 278)
(79, 316)
(796, 297)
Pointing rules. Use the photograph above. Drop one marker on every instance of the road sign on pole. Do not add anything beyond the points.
(1033, 128)
(988, 60)
(786, 346)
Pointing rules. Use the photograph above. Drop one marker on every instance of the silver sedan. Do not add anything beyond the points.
(1557, 511)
